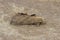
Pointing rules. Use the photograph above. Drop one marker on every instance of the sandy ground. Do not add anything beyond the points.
(48, 10)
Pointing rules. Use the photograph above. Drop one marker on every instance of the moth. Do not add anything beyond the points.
(25, 19)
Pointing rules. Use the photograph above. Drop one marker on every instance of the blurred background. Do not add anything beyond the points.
(48, 9)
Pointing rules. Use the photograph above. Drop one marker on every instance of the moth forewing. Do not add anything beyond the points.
(26, 19)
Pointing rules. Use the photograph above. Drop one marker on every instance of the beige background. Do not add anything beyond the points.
(50, 10)
(51, 0)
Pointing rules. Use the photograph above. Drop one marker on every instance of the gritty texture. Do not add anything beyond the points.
(49, 10)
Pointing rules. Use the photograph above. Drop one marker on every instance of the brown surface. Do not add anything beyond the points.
(49, 10)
